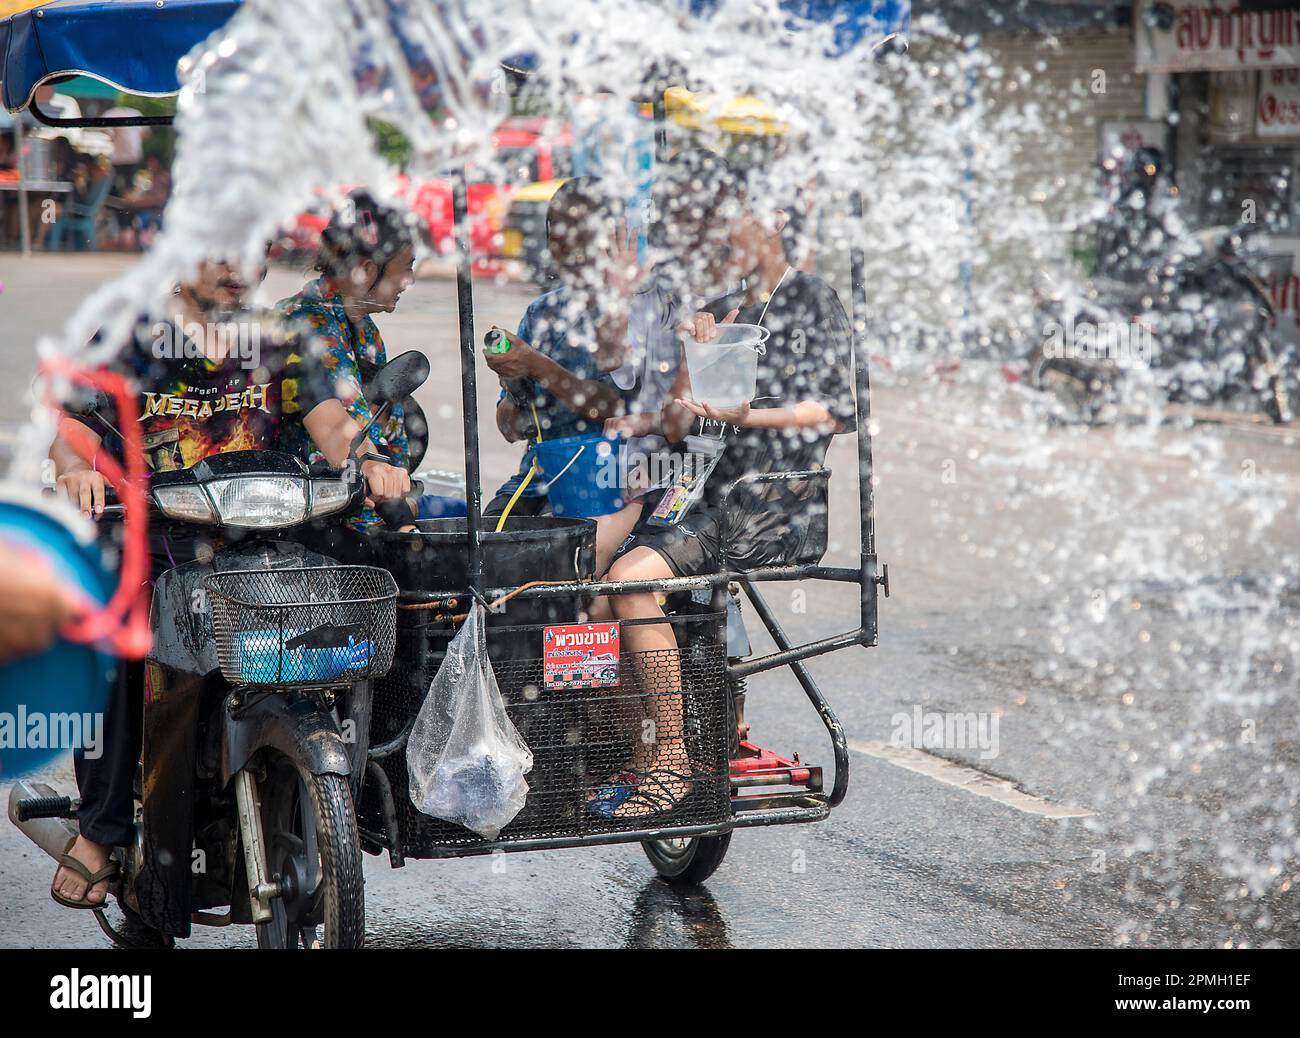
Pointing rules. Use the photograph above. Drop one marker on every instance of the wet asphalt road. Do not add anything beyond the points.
(998, 537)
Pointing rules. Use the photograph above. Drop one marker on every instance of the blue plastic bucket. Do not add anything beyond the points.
(583, 474)
(54, 700)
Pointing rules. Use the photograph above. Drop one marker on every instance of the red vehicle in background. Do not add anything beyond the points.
(527, 149)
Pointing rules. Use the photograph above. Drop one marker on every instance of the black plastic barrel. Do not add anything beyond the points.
(530, 548)
(436, 558)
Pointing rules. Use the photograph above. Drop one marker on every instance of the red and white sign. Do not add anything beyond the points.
(1277, 114)
(580, 656)
(1284, 291)
(1194, 35)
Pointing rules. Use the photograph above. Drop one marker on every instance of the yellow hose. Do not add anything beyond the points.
(532, 471)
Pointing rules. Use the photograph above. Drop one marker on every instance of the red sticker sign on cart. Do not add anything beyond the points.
(580, 656)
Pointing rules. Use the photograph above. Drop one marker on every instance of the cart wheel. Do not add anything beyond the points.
(687, 861)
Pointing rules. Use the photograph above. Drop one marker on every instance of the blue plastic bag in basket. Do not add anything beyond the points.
(465, 758)
(265, 660)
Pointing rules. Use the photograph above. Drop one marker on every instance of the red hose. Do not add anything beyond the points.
(122, 624)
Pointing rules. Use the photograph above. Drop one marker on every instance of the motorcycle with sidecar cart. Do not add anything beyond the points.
(536, 575)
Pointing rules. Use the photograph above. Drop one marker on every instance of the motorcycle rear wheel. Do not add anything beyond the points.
(314, 853)
(1278, 401)
(1081, 393)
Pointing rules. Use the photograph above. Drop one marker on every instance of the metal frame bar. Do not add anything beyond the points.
(839, 742)
(776, 809)
(95, 122)
(24, 217)
(868, 601)
(468, 381)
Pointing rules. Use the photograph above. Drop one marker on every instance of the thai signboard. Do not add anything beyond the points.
(1192, 35)
(1277, 113)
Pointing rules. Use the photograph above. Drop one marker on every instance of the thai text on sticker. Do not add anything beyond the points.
(580, 656)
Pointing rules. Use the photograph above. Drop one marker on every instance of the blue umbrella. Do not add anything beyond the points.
(135, 44)
(854, 21)
(131, 44)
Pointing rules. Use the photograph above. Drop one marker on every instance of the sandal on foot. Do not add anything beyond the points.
(108, 872)
(613, 795)
(659, 795)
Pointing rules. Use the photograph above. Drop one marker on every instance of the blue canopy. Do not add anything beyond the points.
(131, 44)
(134, 44)
(853, 20)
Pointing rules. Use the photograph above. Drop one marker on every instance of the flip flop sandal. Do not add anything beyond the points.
(109, 871)
(609, 798)
(655, 793)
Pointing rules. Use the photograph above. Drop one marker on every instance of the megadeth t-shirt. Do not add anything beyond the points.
(190, 407)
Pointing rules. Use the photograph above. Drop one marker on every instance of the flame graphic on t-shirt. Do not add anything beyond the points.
(197, 443)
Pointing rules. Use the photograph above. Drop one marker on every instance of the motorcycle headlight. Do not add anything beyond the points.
(329, 496)
(263, 502)
(186, 503)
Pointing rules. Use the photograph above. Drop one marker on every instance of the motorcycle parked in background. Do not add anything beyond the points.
(1198, 323)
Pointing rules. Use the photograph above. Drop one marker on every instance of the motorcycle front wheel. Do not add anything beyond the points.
(310, 828)
(1081, 392)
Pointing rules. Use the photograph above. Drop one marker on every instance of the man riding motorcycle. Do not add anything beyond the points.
(214, 376)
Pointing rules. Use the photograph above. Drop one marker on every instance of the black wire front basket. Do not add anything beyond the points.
(303, 627)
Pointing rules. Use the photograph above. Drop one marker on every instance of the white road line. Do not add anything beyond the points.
(968, 779)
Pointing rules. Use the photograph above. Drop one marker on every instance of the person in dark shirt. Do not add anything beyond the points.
(804, 397)
(213, 376)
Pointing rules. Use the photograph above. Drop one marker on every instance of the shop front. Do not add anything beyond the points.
(1233, 77)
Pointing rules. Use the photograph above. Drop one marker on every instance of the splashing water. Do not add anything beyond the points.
(275, 115)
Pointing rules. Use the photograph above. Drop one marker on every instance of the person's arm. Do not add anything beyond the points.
(76, 478)
(34, 606)
(633, 425)
(675, 418)
(807, 414)
(588, 398)
(622, 272)
(511, 422)
(612, 335)
(332, 429)
(318, 394)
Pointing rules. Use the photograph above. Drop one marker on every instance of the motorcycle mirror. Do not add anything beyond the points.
(893, 45)
(399, 378)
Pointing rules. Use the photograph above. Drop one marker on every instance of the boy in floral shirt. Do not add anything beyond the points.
(366, 262)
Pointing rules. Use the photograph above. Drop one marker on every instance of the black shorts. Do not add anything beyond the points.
(691, 547)
(781, 525)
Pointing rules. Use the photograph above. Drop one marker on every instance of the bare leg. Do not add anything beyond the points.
(660, 745)
(612, 531)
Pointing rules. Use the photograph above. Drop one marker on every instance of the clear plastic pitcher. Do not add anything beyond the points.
(724, 372)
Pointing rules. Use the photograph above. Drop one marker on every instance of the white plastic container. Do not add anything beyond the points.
(724, 372)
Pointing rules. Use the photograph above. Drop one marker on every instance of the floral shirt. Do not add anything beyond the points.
(349, 353)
